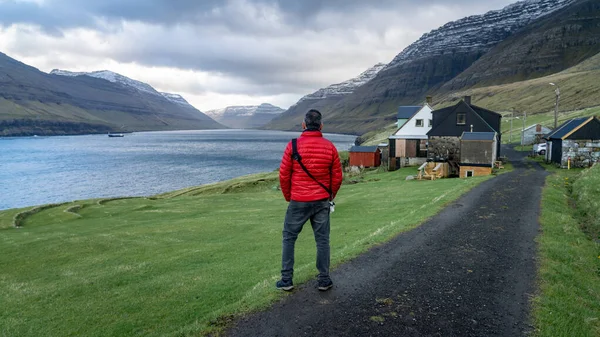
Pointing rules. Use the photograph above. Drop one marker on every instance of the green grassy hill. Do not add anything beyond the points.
(180, 263)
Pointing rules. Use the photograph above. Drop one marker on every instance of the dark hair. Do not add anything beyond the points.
(312, 119)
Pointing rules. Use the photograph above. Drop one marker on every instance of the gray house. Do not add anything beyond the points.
(534, 134)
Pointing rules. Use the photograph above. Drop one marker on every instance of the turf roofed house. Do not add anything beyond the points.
(366, 156)
(449, 125)
(578, 140)
(408, 145)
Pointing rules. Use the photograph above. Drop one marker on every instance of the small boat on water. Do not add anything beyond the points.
(116, 135)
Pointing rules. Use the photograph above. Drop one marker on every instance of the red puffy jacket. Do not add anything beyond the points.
(321, 159)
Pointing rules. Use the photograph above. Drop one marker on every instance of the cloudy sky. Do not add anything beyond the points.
(223, 52)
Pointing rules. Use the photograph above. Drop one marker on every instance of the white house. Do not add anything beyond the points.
(408, 145)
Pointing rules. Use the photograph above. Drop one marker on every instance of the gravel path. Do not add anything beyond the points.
(469, 271)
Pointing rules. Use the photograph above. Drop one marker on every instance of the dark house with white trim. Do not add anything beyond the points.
(577, 139)
(450, 123)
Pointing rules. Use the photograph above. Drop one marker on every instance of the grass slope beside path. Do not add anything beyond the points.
(176, 264)
(569, 300)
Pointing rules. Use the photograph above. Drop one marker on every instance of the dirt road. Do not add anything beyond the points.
(469, 271)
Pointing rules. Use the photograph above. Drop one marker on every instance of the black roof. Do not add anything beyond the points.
(406, 112)
(478, 136)
(369, 149)
(566, 127)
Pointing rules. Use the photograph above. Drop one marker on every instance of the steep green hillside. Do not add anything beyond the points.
(579, 88)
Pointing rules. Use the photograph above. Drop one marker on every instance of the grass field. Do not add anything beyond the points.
(181, 263)
(568, 303)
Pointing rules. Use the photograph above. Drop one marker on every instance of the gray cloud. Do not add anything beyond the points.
(264, 47)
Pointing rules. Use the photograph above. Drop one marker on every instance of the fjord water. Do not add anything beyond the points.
(41, 170)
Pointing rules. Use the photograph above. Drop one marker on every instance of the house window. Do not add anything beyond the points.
(461, 119)
(430, 123)
(469, 174)
(419, 123)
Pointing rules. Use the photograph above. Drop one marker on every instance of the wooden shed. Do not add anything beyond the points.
(478, 152)
(577, 139)
(366, 156)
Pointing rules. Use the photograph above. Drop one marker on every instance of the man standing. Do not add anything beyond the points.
(310, 178)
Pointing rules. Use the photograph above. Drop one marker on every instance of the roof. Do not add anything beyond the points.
(478, 136)
(534, 125)
(480, 110)
(365, 149)
(408, 137)
(568, 127)
(406, 112)
(446, 112)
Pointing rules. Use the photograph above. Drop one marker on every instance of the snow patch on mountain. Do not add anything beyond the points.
(478, 32)
(346, 87)
(175, 98)
(111, 77)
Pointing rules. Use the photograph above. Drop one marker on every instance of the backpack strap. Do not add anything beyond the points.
(296, 156)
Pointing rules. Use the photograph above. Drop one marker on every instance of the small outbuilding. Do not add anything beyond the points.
(577, 140)
(478, 153)
(366, 156)
(534, 134)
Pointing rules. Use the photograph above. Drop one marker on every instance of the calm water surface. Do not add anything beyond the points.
(41, 170)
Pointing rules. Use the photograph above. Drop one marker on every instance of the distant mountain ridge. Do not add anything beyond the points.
(245, 117)
(291, 119)
(33, 102)
(346, 87)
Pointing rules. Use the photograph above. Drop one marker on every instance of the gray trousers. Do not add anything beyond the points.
(298, 213)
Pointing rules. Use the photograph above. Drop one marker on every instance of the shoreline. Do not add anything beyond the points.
(151, 196)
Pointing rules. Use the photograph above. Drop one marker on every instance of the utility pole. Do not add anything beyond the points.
(523, 131)
(512, 115)
(557, 92)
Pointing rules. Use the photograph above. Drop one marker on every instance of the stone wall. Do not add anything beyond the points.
(444, 148)
(583, 153)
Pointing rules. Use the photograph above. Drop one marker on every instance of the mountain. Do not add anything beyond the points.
(33, 102)
(547, 46)
(245, 117)
(292, 118)
(426, 65)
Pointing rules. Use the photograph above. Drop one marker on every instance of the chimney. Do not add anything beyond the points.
(429, 100)
(467, 99)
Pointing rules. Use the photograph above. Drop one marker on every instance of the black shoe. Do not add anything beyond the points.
(325, 285)
(284, 285)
